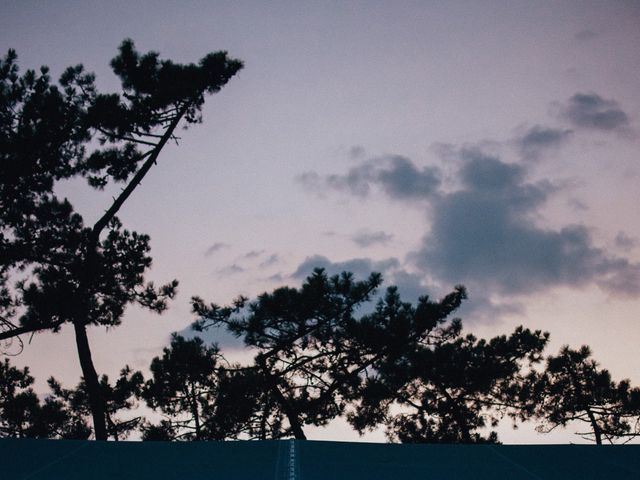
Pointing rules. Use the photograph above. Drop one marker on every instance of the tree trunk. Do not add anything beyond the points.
(294, 422)
(96, 401)
(595, 426)
(194, 411)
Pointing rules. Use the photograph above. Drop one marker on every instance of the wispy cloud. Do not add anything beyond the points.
(253, 254)
(626, 242)
(231, 269)
(396, 175)
(215, 248)
(590, 110)
(271, 260)
(538, 140)
(366, 238)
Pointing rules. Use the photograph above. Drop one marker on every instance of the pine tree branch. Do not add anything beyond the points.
(135, 181)
(22, 330)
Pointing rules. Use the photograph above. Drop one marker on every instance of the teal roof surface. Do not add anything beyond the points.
(310, 460)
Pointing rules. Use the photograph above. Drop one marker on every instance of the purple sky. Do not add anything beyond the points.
(493, 144)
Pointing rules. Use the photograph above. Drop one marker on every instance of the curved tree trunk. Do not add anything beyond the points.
(96, 400)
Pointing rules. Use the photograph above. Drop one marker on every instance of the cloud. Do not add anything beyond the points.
(537, 140)
(253, 254)
(272, 260)
(366, 239)
(626, 242)
(277, 277)
(482, 309)
(357, 152)
(215, 335)
(214, 248)
(624, 282)
(590, 110)
(396, 175)
(485, 235)
(484, 231)
(412, 286)
(356, 181)
(231, 269)
(402, 179)
(360, 267)
(312, 181)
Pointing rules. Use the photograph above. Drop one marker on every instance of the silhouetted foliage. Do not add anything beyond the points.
(55, 269)
(19, 404)
(304, 366)
(447, 388)
(574, 389)
(22, 414)
(119, 397)
(200, 399)
(320, 357)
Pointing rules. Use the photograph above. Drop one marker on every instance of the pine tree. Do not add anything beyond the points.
(54, 268)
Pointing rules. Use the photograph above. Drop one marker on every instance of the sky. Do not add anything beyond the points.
(491, 144)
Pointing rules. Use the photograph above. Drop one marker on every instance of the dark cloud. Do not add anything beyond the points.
(403, 180)
(485, 235)
(484, 172)
(537, 140)
(396, 175)
(366, 239)
(479, 309)
(590, 110)
(214, 248)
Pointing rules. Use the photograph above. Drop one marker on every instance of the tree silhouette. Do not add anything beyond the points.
(22, 414)
(200, 399)
(54, 268)
(119, 397)
(574, 389)
(301, 336)
(19, 404)
(446, 388)
(316, 348)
